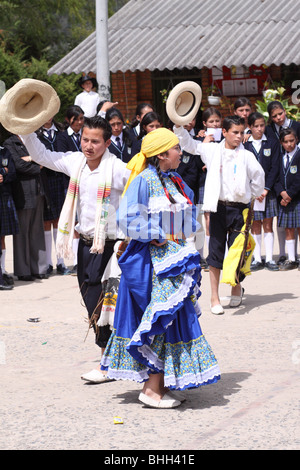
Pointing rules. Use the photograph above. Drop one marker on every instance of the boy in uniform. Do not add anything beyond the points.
(234, 177)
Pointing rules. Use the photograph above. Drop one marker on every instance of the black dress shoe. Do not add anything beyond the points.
(26, 278)
(49, 269)
(288, 265)
(281, 260)
(6, 287)
(256, 266)
(40, 276)
(271, 266)
(9, 280)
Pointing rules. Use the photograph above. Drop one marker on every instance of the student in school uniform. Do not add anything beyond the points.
(267, 153)
(69, 140)
(212, 132)
(9, 223)
(234, 176)
(141, 110)
(121, 143)
(29, 198)
(278, 121)
(242, 107)
(149, 122)
(54, 184)
(288, 191)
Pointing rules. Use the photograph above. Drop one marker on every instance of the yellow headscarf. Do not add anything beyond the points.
(156, 142)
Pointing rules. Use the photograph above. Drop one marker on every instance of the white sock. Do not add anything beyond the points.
(281, 240)
(257, 249)
(3, 261)
(48, 242)
(207, 237)
(59, 260)
(75, 244)
(269, 245)
(290, 247)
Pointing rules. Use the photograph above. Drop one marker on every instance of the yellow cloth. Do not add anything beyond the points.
(231, 262)
(156, 142)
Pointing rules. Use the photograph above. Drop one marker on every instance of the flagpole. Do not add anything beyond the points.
(102, 59)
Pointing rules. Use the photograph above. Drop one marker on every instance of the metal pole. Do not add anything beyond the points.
(102, 61)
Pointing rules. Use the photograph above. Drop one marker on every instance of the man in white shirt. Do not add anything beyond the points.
(88, 100)
(94, 143)
(234, 177)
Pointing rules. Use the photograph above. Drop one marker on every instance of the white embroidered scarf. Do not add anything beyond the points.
(67, 217)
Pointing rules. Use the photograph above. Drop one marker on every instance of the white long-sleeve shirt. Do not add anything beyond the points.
(88, 185)
(88, 101)
(232, 175)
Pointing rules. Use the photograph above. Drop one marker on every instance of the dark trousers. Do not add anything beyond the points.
(224, 224)
(29, 243)
(90, 269)
(1, 276)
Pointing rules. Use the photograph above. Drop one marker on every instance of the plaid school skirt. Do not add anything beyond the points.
(9, 223)
(271, 209)
(289, 216)
(56, 196)
(201, 195)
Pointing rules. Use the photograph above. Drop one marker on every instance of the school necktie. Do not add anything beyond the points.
(287, 162)
(77, 138)
(119, 143)
(49, 134)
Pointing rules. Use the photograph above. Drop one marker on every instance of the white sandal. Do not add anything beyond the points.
(236, 300)
(167, 401)
(217, 309)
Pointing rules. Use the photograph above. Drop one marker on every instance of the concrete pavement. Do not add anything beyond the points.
(45, 405)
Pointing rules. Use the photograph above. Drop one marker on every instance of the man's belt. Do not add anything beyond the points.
(86, 240)
(233, 204)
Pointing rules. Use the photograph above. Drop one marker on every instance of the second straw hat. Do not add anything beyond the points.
(183, 102)
(26, 106)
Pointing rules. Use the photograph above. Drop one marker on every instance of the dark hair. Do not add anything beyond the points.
(254, 116)
(155, 162)
(286, 132)
(99, 105)
(147, 119)
(97, 122)
(273, 105)
(138, 111)
(210, 112)
(234, 120)
(72, 111)
(114, 112)
(241, 101)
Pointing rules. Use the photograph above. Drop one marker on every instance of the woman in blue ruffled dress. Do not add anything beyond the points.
(157, 339)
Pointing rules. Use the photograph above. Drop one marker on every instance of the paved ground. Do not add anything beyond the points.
(45, 405)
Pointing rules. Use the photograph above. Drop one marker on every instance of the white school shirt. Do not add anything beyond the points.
(257, 143)
(114, 139)
(53, 129)
(88, 185)
(88, 102)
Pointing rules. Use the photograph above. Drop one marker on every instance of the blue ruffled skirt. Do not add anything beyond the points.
(156, 325)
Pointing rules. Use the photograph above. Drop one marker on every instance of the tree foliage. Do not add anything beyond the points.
(35, 34)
